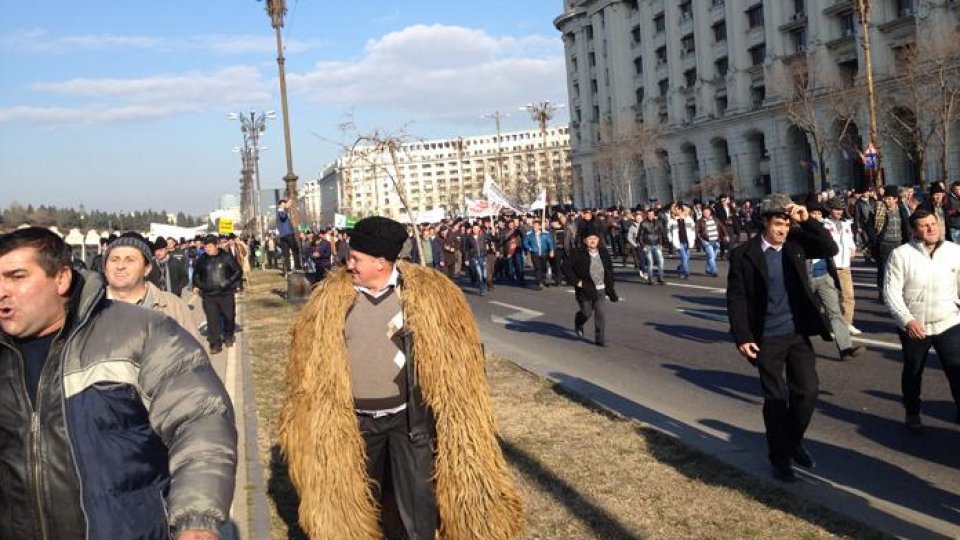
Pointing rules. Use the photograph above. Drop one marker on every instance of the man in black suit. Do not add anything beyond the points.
(772, 314)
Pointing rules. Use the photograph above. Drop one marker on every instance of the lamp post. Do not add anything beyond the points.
(542, 113)
(252, 125)
(276, 9)
(864, 7)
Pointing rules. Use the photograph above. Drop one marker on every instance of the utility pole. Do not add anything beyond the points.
(276, 9)
(497, 115)
(252, 126)
(864, 9)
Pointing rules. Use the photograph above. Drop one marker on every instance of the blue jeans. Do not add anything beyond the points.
(711, 249)
(955, 235)
(654, 253)
(517, 263)
(478, 267)
(684, 252)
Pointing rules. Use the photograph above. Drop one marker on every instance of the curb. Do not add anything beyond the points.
(258, 526)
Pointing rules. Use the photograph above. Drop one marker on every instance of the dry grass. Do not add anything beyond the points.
(584, 473)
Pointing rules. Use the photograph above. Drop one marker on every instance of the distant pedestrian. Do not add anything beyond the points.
(289, 244)
(712, 233)
(590, 269)
(772, 315)
(216, 280)
(539, 244)
(921, 291)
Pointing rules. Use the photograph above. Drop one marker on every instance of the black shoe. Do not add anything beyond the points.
(852, 352)
(803, 458)
(660, 282)
(784, 473)
(216, 349)
(600, 343)
(229, 341)
(914, 422)
(578, 329)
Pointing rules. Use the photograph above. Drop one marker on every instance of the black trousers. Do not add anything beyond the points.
(947, 345)
(217, 308)
(595, 309)
(290, 244)
(410, 463)
(881, 252)
(788, 403)
(556, 263)
(539, 268)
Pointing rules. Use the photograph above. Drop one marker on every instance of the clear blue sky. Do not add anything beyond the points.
(122, 105)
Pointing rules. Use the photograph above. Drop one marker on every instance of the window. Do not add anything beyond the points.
(757, 54)
(662, 115)
(721, 105)
(640, 96)
(905, 8)
(847, 27)
(592, 60)
(663, 85)
(798, 7)
(799, 40)
(720, 32)
(638, 65)
(691, 111)
(576, 90)
(660, 24)
(596, 113)
(590, 32)
(593, 86)
(636, 34)
(661, 56)
(717, 3)
(722, 66)
(757, 95)
(573, 62)
(690, 77)
(685, 11)
(755, 16)
(687, 44)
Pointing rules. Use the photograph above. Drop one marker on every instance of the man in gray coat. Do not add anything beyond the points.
(113, 424)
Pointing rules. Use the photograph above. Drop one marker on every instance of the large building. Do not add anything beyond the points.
(437, 174)
(704, 95)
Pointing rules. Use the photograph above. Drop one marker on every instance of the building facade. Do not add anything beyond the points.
(438, 174)
(707, 89)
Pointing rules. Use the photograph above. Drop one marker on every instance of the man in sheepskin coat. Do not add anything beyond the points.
(386, 364)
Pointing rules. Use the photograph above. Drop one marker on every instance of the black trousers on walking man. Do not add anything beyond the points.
(288, 245)
(220, 309)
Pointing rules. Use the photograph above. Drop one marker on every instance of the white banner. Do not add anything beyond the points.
(496, 196)
(540, 203)
(479, 208)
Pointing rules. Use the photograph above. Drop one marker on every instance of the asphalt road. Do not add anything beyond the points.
(671, 363)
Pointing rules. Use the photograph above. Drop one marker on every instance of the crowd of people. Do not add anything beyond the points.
(138, 434)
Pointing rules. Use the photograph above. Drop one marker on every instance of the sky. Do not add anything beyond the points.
(123, 106)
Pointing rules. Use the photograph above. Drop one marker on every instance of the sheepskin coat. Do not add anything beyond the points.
(323, 445)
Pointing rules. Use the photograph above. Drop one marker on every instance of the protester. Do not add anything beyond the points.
(652, 235)
(841, 230)
(287, 239)
(476, 257)
(539, 244)
(590, 269)
(128, 433)
(216, 280)
(921, 291)
(386, 366)
(711, 232)
(772, 315)
(171, 265)
(887, 231)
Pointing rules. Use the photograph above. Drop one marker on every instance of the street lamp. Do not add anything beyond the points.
(276, 9)
(542, 113)
(252, 124)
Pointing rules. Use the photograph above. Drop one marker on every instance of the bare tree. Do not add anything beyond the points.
(924, 101)
(815, 104)
(711, 185)
(381, 150)
(623, 148)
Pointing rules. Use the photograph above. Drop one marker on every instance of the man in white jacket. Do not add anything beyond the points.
(921, 291)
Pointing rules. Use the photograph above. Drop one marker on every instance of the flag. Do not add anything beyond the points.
(540, 203)
(496, 196)
(480, 208)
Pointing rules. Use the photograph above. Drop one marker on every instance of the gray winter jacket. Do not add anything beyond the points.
(132, 435)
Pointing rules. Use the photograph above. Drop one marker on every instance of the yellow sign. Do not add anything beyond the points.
(226, 226)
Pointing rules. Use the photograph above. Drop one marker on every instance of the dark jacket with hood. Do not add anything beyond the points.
(132, 434)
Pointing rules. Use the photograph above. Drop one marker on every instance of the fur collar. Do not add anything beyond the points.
(476, 496)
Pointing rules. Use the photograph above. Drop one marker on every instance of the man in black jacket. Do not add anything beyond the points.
(171, 265)
(216, 279)
(590, 270)
(772, 315)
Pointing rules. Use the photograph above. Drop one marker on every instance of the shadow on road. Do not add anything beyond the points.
(724, 383)
(664, 445)
(543, 329)
(690, 333)
(941, 409)
(284, 496)
(886, 481)
(712, 301)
